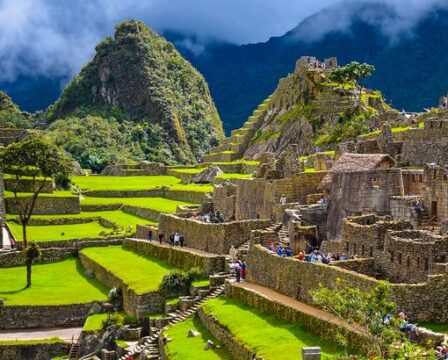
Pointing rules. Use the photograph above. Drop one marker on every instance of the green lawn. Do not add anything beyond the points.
(53, 340)
(268, 337)
(59, 232)
(129, 183)
(155, 203)
(436, 327)
(119, 217)
(188, 170)
(141, 273)
(59, 283)
(53, 194)
(192, 348)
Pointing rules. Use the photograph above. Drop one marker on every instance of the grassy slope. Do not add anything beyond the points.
(129, 183)
(141, 273)
(154, 203)
(234, 176)
(59, 232)
(58, 283)
(192, 348)
(269, 337)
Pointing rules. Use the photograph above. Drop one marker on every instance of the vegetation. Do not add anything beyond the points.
(262, 332)
(53, 340)
(40, 158)
(234, 176)
(351, 73)
(141, 273)
(31, 252)
(366, 309)
(42, 233)
(94, 322)
(179, 281)
(129, 183)
(59, 283)
(179, 126)
(10, 115)
(183, 347)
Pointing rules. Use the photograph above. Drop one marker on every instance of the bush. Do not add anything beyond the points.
(130, 320)
(176, 281)
(195, 274)
(116, 297)
(62, 181)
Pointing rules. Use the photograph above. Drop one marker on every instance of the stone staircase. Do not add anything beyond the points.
(149, 345)
(74, 350)
(233, 147)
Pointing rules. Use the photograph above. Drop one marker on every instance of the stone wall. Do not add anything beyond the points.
(224, 200)
(145, 213)
(322, 328)
(144, 168)
(194, 197)
(179, 257)
(362, 266)
(46, 205)
(296, 278)
(214, 238)
(27, 317)
(435, 192)
(17, 258)
(360, 192)
(76, 243)
(26, 185)
(413, 181)
(125, 193)
(133, 303)
(402, 208)
(39, 351)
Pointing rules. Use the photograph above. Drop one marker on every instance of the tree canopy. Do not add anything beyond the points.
(351, 72)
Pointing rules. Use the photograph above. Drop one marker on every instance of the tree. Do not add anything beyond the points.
(351, 72)
(31, 252)
(37, 161)
(367, 309)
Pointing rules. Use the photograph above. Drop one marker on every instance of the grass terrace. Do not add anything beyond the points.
(436, 327)
(188, 170)
(53, 194)
(53, 340)
(59, 283)
(192, 348)
(44, 233)
(263, 333)
(130, 183)
(155, 203)
(141, 273)
(233, 176)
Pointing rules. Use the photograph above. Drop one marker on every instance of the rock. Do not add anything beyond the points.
(193, 333)
(210, 345)
(90, 274)
(77, 170)
(444, 228)
(95, 309)
(2, 302)
(207, 175)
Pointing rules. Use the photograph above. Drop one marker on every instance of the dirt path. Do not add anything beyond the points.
(38, 334)
(297, 305)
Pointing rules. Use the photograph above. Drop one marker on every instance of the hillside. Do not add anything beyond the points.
(307, 109)
(139, 79)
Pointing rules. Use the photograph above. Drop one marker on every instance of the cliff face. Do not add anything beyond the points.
(139, 76)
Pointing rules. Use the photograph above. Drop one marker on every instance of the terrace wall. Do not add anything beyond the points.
(34, 351)
(26, 185)
(145, 213)
(17, 258)
(179, 257)
(27, 317)
(76, 243)
(296, 278)
(213, 238)
(133, 303)
(46, 205)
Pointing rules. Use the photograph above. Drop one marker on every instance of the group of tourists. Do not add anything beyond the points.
(176, 239)
(239, 267)
(209, 217)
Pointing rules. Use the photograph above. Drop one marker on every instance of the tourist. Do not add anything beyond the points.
(283, 200)
(181, 240)
(237, 271)
(161, 236)
(242, 265)
(232, 252)
(219, 217)
(407, 327)
(301, 256)
(150, 235)
(418, 207)
(176, 239)
(280, 250)
(172, 239)
(288, 251)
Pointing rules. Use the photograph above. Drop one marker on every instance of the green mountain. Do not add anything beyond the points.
(149, 93)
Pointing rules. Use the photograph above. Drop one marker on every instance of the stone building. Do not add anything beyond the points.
(435, 191)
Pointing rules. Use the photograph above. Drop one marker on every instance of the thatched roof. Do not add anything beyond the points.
(354, 162)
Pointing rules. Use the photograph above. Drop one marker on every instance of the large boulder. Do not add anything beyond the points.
(207, 175)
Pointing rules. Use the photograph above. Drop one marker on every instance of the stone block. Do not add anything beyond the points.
(311, 353)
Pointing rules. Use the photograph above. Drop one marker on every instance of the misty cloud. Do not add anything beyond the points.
(56, 37)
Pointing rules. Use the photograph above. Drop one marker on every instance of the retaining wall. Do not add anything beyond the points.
(46, 205)
(34, 351)
(178, 257)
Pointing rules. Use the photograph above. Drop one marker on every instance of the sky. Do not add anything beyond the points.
(56, 37)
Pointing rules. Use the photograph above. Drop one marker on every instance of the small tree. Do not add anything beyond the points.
(351, 73)
(39, 161)
(31, 252)
(367, 309)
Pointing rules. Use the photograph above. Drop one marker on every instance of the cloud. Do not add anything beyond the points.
(56, 37)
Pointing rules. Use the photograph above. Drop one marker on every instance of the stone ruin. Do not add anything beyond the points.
(286, 165)
(313, 62)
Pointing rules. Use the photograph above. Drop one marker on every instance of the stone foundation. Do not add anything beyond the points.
(35, 351)
(46, 205)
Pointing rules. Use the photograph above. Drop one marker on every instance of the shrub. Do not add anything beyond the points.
(176, 281)
(115, 296)
(195, 274)
(130, 320)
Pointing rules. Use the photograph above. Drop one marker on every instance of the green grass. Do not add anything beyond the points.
(192, 348)
(233, 176)
(268, 337)
(309, 170)
(306, 157)
(200, 283)
(122, 343)
(188, 170)
(119, 217)
(172, 301)
(130, 183)
(59, 283)
(59, 232)
(238, 161)
(94, 322)
(394, 130)
(53, 340)
(436, 327)
(141, 273)
(162, 205)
